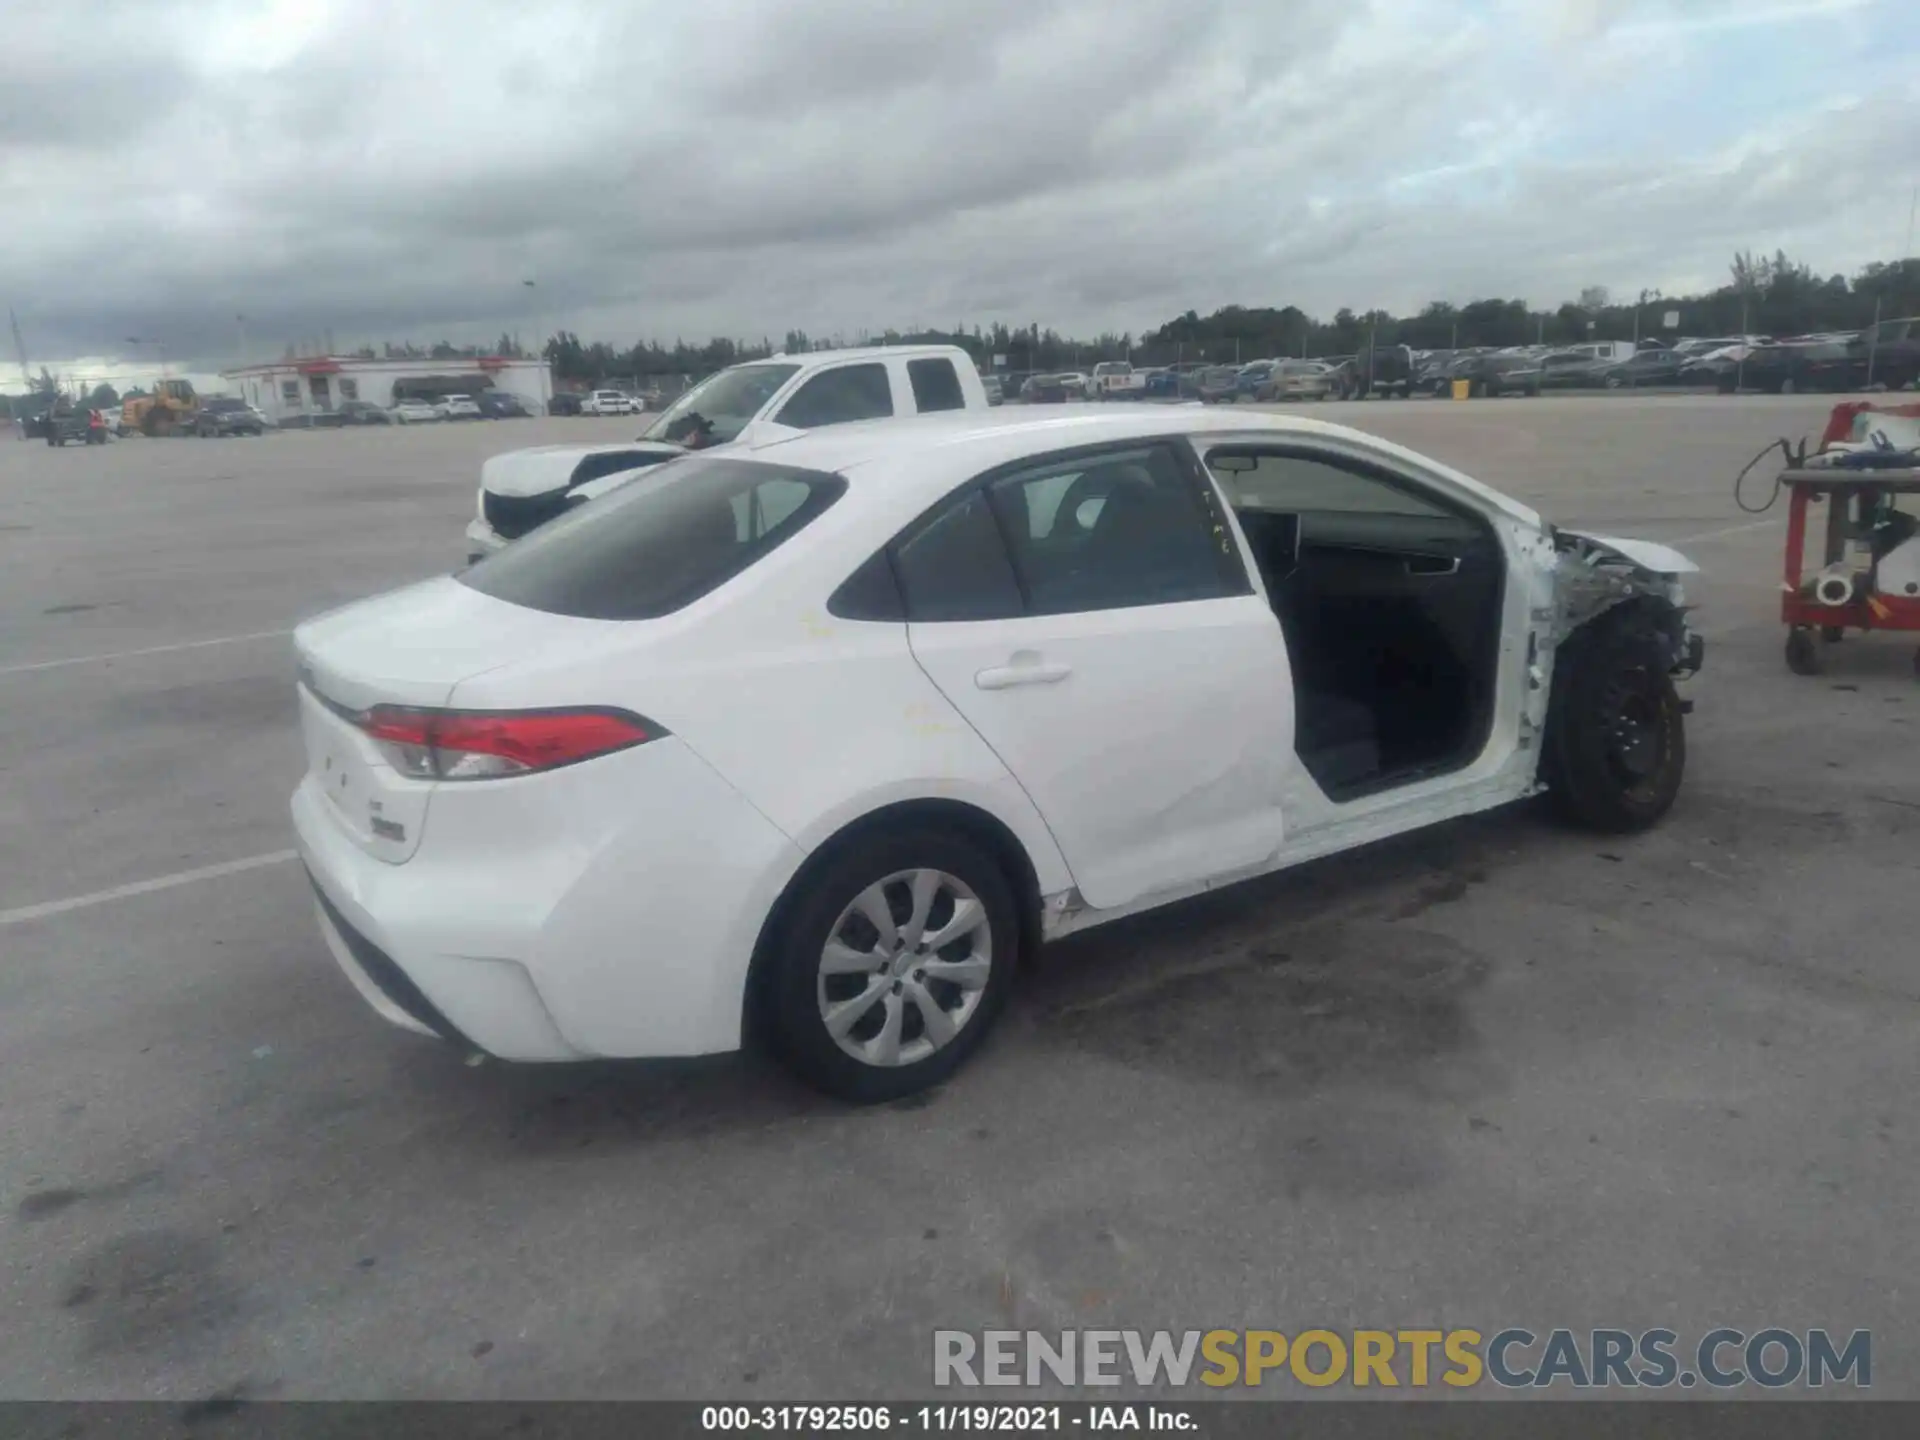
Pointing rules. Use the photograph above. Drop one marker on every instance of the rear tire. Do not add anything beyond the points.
(886, 1047)
(1616, 742)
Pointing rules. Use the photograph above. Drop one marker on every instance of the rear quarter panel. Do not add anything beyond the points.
(816, 720)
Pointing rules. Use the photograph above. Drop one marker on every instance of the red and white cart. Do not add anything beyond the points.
(1868, 573)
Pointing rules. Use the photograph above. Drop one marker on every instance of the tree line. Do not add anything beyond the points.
(1764, 295)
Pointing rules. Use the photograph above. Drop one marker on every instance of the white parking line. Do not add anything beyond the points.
(1727, 530)
(24, 913)
(150, 650)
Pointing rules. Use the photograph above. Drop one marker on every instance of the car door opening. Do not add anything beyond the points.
(1390, 601)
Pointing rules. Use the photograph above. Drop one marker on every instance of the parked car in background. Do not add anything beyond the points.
(1894, 349)
(362, 412)
(1496, 373)
(592, 760)
(1643, 367)
(1296, 380)
(610, 402)
(1160, 383)
(1386, 371)
(222, 415)
(457, 407)
(414, 411)
(1827, 366)
(991, 384)
(501, 405)
(1116, 380)
(1571, 370)
(1432, 370)
(1617, 351)
(1218, 385)
(1054, 389)
(1251, 376)
(566, 402)
(761, 402)
(1695, 346)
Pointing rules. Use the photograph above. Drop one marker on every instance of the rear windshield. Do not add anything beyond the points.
(655, 546)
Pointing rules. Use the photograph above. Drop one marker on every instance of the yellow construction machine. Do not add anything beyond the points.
(169, 410)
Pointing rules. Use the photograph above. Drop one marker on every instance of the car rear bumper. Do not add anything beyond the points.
(609, 909)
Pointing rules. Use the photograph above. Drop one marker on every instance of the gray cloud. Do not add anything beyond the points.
(742, 166)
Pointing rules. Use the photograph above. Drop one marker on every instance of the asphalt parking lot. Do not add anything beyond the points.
(1500, 1074)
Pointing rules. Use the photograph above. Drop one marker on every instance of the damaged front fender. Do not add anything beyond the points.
(1593, 574)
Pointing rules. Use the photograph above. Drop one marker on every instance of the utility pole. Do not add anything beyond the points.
(20, 348)
(1740, 365)
(539, 341)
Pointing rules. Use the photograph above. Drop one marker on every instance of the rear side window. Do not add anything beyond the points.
(655, 546)
(834, 397)
(956, 567)
(936, 386)
(1112, 530)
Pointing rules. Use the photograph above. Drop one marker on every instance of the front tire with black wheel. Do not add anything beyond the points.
(1616, 743)
(891, 964)
(1803, 652)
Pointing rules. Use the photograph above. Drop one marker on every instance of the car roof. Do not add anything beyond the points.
(944, 449)
(858, 352)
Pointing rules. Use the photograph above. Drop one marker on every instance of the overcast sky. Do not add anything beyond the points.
(385, 170)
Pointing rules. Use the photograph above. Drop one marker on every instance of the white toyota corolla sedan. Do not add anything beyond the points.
(816, 744)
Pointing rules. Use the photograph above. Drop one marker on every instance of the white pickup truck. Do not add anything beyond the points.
(746, 406)
(1117, 380)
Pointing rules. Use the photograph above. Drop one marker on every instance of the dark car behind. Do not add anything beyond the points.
(1892, 348)
(1643, 367)
(1253, 375)
(1571, 370)
(362, 412)
(564, 402)
(500, 405)
(1830, 366)
(1431, 371)
(1498, 374)
(226, 415)
(1386, 370)
(1219, 384)
(1045, 390)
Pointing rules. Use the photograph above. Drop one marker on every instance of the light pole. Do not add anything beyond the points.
(1645, 295)
(539, 345)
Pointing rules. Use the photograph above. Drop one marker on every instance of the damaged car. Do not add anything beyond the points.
(814, 745)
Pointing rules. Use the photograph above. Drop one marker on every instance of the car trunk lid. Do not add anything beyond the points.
(407, 648)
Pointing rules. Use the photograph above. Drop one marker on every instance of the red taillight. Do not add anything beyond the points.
(485, 744)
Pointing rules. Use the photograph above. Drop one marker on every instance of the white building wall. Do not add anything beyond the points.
(283, 391)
